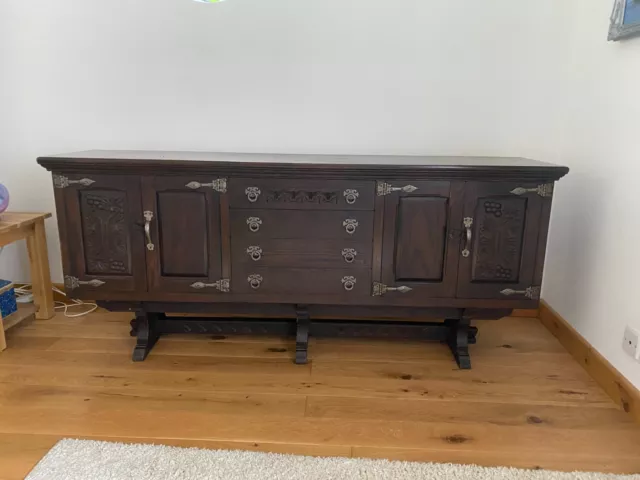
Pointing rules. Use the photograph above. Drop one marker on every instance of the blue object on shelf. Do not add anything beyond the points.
(8, 303)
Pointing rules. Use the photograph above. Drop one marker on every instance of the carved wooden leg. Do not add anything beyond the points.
(473, 333)
(302, 334)
(458, 340)
(147, 335)
(134, 327)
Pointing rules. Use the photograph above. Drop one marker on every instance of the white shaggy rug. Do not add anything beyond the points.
(91, 460)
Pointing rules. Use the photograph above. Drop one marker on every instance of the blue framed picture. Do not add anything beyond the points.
(625, 19)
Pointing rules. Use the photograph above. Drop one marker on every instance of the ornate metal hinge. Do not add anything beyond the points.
(544, 190)
(222, 285)
(71, 283)
(219, 185)
(386, 188)
(380, 289)
(60, 181)
(530, 292)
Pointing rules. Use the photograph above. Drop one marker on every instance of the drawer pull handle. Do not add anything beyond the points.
(351, 195)
(468, 223)
(255, 281)
(255, 253)
(349, 283)
(222, 285)
(254, 224)
(350, 225)
(252, 194)
(148, 216)
(349, 254)
(71, 283)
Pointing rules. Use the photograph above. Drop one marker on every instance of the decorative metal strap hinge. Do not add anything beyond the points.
(223, 285)
(380, 289)
(219, 185)
(544, 190)
(384, 188)
(71, 283)
(60, 181)
(530, 292)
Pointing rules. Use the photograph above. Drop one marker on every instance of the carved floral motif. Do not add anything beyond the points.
(106, 241)
(499, 243)
(300, 196)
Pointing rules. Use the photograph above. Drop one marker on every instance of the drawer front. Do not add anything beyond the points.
(258, 224)
(346, 282)
(303, 194)
(300, 252)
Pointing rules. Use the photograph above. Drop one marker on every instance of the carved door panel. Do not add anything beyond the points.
(498, 251)
(104, 245)
(184, 244)
(419, 251)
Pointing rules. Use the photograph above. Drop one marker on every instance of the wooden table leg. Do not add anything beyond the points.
(40, 275)
(3, 341)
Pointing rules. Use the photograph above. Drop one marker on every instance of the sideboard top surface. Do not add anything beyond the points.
(364, 166)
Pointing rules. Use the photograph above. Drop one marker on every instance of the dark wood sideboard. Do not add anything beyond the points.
(303, 244)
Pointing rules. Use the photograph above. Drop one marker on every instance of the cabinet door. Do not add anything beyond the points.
(103, 242)
(504, 228)
(184, 230)
(418, 247)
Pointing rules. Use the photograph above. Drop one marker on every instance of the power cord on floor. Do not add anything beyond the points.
(26, 290)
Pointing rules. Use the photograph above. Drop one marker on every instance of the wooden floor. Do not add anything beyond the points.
(526, 403)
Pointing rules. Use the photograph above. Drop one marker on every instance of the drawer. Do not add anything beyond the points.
(300, 252)
(303, 281)
(258, 224)
(303, 194)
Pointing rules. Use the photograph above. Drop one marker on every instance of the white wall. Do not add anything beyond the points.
(360, 76)
(593, 260)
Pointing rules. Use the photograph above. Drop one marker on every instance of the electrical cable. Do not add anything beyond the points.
(27, 290)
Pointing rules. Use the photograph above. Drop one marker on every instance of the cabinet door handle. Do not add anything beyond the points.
(349, 283)
(252, 193)
(254, 224)
(255, 281)
(351, 195)
(255, 252)
(350, 225)
(468, 223)
(148, 216)
(349, 254)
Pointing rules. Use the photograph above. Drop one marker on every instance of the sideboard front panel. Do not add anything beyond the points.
(106, 244)
(503, 228)
(419, 250)
(185, 232)
(301, 194)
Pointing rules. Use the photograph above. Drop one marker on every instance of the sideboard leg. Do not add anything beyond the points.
(302, 334)
(461, 334)
(147, 334)
(473, 333)
(134, 327)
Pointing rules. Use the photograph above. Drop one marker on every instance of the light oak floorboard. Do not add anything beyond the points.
(526, 403)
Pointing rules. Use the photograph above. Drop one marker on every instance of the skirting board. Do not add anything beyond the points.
(621, 391)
